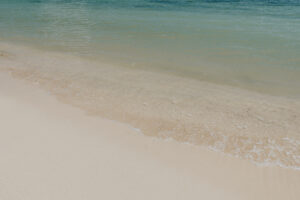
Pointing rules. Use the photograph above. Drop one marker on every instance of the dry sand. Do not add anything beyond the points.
(50, 150)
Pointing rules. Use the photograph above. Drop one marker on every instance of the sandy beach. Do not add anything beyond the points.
(149, 100)
(50, 150)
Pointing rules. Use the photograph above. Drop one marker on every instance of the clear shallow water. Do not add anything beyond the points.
(252, 44)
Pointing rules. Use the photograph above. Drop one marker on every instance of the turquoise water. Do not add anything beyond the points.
(253, 44)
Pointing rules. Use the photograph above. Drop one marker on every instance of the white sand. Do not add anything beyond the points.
(49, 150)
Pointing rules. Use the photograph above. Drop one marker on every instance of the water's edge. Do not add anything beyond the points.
(261, 128)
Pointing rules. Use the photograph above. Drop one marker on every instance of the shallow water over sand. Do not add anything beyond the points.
(248, 44)
(250, 125)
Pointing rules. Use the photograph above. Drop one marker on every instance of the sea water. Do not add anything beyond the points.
(254, 44)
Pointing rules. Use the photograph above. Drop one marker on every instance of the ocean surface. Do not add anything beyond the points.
(224, 74)
(253, 44)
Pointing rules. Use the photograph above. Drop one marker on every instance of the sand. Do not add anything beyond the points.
(50, 150)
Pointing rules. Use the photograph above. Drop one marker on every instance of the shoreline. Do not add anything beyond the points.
(53, 150)
(240, 123)
(149, 100)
